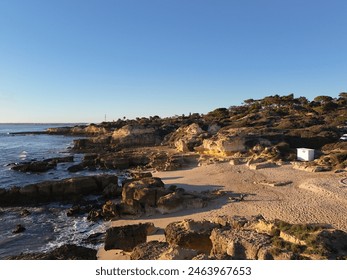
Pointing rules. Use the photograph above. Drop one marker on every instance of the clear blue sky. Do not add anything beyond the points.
(77, 60)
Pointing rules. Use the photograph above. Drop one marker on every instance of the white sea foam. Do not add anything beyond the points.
(47, 227)
(23, 155)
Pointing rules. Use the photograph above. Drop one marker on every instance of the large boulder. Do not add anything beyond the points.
(65, 252)
(170, 203)
(125, 238)
(241, 244)
(34, 166)
(145, 191)
(92, 144)
(149, 251)
(111, 190)
(117, 160)
(110, 210)
(75, 168)
(136, 136)
(112, 162)
(223, 145)
(59, 190)
(229, 141)
(95, 129)
(133, 209)
(164, 161)
(179, 200)
(41, 166)
(185, 138)
(189, 234)
(178, 253)
(122, 160)
(150, 195)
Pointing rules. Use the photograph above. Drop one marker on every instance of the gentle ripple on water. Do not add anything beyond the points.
(48, 226)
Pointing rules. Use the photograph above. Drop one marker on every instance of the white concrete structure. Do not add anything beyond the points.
(305, 154)
(343, 137)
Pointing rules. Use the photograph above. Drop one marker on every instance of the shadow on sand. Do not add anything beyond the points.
(172, 178)
(204, 190)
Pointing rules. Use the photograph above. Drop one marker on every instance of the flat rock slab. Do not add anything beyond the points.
(262, 165)
(275, 184)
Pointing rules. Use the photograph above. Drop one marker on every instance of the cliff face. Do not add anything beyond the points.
(136, 136)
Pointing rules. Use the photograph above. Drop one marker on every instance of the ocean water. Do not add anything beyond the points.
(48, 226)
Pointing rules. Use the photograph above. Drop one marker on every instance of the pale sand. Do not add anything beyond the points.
(311, 198)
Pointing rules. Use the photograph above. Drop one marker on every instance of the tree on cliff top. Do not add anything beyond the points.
(218, 114)
(323, 99)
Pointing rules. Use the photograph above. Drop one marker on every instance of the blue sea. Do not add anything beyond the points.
(26, 147)
(48, 226)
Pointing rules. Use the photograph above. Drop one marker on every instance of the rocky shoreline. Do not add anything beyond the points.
(260, 134)
(233, 238)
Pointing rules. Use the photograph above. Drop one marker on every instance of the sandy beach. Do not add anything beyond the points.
(306, 198)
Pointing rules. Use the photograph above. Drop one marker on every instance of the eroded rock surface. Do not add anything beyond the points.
(136, 136)
(125, 238)
(65, 252)
(254, 238)
(190, 234)
(149, 251)
(63, 190)
(41, 166)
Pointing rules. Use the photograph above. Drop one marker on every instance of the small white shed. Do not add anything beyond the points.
(305, 154)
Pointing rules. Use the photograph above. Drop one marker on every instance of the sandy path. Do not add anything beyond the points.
(310, 198)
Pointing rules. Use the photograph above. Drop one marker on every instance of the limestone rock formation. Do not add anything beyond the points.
(148, 196)
(63, 190)
(178, 253)
(185, 138)
(241, 238)
(149, 251)
(190, 234)
(125, 238)
(111, 190)
(223, 145)
(145, 191)
(91, 129)
(65, 252)
(149, 158)
(136, 136)
(92, 144)
(179, 200)
(213, 128)
(241, 245)
(41, 166)
(110, 210)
